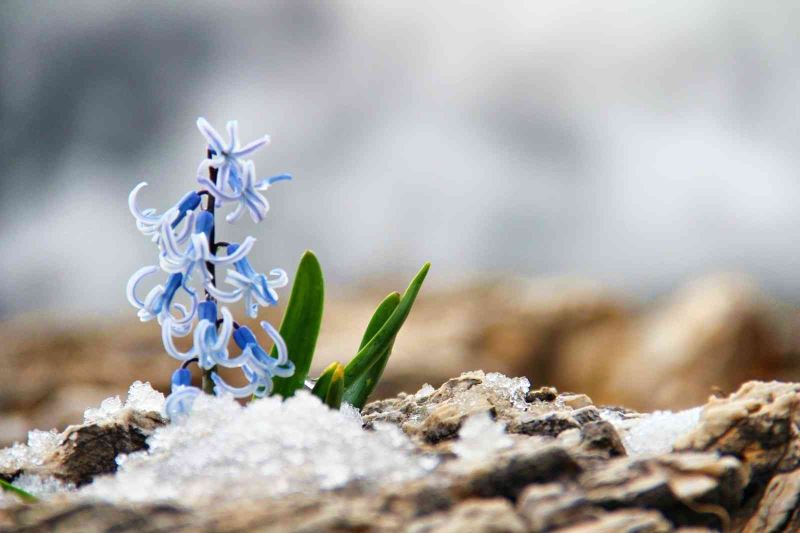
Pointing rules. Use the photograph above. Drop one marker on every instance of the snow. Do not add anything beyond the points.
(268, 448)
(40, 444)
(653, 433)
(511, 389)
(141, 397)
(42, 487)
(480, 437)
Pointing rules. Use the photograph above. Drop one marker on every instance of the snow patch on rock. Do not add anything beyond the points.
(652, 433)
(224, 451)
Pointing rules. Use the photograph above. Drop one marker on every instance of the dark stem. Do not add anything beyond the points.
(208, 385)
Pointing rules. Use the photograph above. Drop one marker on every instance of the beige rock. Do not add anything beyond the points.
(737, 470)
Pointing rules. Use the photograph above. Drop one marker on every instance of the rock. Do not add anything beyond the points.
(758, 424)
(491, 516)
(614, 522)
(575, 401)
(736, 470)
(548, 506)
(779, 508)
(91, 449)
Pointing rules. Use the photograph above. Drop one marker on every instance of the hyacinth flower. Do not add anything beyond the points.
(182, 396)
(226, 158)
(245, 192)
(150, 224)
(185, 234)
(189, 255)
(257, 365)
(256, 289)
(210, 344)
(197, 254)
(159, 302)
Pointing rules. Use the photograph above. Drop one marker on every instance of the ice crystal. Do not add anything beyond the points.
(43, 487)
(511, 389)
(20, 456)
(653, 433)
(480, 437)
(141, 397)
(224, 451)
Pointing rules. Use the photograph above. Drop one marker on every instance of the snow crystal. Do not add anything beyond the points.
(40, 445)
(425, 391)
(512, 389)
(224, 451)
(480, 437)
(653, 433)
(43, 487)
(141, 397)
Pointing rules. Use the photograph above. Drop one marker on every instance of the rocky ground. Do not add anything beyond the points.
(509, 459)
(710, 335)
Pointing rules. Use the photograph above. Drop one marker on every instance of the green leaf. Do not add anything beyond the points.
(330, 385)
(301, 323)
(25, 496)
(336, 388)
(360, 390)
(377, 347)
(380, 316)
(320, 389)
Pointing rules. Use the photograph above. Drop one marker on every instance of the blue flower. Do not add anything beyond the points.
(197, 253)
(179, 403)
(210, 345)
(245, 192)
(152, 225)
(257, 365)
(256, 288)
(158, 303)
(226, 157)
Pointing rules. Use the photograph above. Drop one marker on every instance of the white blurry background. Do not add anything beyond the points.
(636, 143)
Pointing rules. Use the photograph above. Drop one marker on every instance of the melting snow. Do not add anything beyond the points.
(480, 437)
(224, 451)
(653, 433)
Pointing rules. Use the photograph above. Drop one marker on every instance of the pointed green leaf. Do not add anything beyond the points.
(24, 496)
(330, 385)
(320, 389)
(377, 347)
(301, 323)
(360, 390)
(380, 316)
(336, 388)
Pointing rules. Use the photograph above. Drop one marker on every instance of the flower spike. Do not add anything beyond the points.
(185, 236)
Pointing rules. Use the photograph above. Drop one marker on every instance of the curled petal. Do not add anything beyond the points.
(214, 139)
(281, 280)
(169, 346)
(234, 362)
(220, 387)
(280, 345)
(222, 296)
(226, 331)
(133, 283)
(179, 403)
(240, 253)
(148, 215)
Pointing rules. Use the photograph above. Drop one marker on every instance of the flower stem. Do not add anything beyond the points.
(208, 384)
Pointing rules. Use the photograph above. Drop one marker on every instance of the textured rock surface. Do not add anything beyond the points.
(716, 332)
(560, 467)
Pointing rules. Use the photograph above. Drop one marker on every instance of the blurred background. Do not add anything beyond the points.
(608, 193)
